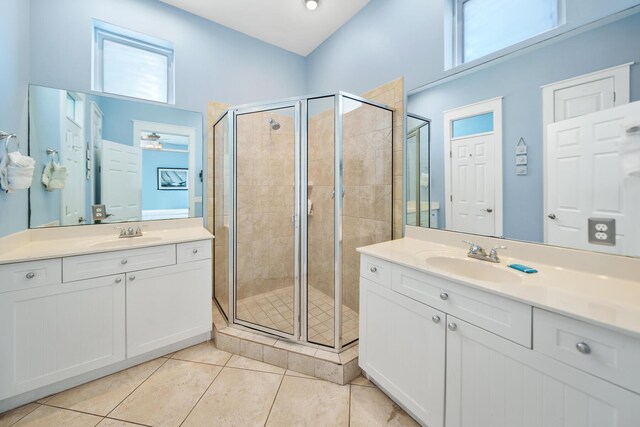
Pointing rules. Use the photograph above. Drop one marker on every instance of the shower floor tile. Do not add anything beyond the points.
(274, 309)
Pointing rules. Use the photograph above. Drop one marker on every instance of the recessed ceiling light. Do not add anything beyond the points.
(312, 4)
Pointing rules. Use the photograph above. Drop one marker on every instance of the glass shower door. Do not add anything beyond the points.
(266, 242)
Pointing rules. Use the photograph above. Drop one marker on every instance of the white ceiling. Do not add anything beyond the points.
(285, 23)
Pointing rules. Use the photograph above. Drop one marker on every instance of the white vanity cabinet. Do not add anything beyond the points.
(471, 358)
(402, 347)
(63, 318)
(491, 382)
(165, 305)
(53, 332)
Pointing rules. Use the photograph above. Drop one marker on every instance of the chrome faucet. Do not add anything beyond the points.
(476, 251)
(129, 232)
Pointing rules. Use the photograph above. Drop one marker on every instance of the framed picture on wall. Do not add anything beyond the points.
(173, 179)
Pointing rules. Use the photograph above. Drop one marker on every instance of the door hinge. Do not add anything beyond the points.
(451, 154)
(614, 97)
(451, 197)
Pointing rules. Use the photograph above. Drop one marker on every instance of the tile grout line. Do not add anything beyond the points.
(200, 398)
(274, 399)
(139, 385)
(125, 421)
(18, 420)
(350, 397)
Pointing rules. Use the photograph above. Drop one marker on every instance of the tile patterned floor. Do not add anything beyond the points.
(274, 309)
(203, 386)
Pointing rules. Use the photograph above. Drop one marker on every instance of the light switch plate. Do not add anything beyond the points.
(602, 231)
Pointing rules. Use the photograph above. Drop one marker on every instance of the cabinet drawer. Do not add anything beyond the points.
(502, 316)
(32, 274)
(376, 270)
(194, 251)
(601, 352)
(107, 263)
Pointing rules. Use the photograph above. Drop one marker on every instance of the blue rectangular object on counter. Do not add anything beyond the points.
(523, 268)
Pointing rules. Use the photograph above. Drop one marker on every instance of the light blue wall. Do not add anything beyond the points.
(390, 39)
(152, 198)
(212, 61)
(519, 80)
(14, 79)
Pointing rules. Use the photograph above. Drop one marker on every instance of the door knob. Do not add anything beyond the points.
(444, 296)
(435, 318)
(123, 262)
(488, 210)
(552, 216)
(31, 275)
(452, 326)
(118, 280)
(373, 269)
(132, 277)
(195, 251)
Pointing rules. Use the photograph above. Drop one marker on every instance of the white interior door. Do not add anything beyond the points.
(585, 98)
(72, 155)
(473, 185)
(585, 179)
(120, 179)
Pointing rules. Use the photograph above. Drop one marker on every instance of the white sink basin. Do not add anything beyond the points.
(474, 269)
(123, 243)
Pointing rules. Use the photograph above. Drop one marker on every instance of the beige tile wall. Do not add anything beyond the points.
(367, 176)
(265, 203)
(221, 242)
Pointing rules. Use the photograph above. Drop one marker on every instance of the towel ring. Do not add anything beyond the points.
(53, 154)
(8, 137)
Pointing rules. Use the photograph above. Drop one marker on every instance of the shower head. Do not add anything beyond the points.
(274, 125)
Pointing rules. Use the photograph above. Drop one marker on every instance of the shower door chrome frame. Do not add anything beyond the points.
(296, 105)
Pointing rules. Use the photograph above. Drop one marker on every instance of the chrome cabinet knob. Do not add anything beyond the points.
(118, 280)
(452, 326)
(435, 318)
(373, 269)
(132, 277)
(552, 216)
(444, 296)
(195, 251)
(31, 275)
(583, 348)
(124, 261)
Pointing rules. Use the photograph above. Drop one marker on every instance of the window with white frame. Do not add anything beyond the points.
(132, 64)
(482, 27)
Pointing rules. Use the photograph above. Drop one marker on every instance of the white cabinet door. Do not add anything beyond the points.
(492, 382)
(51, 333)
(402, 349)
(166, 305)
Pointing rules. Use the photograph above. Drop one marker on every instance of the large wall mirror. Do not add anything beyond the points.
(541, 145)
(102, 159)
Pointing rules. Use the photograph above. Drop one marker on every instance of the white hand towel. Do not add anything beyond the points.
(630, 149)
(54, 176)
(16, 171)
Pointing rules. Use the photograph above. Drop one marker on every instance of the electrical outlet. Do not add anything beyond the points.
(602, 231)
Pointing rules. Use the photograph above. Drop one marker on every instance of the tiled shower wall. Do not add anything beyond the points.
(365, 194)
(367, 179)
(265, 203)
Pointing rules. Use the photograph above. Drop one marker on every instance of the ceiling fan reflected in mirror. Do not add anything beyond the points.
(151, 141)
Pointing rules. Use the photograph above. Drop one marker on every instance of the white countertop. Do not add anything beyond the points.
(37, 244)
(606, 300)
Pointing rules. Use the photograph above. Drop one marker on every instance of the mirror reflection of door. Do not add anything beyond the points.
(565, 218)
(120, 181)
(473, 172)
(72, 155)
